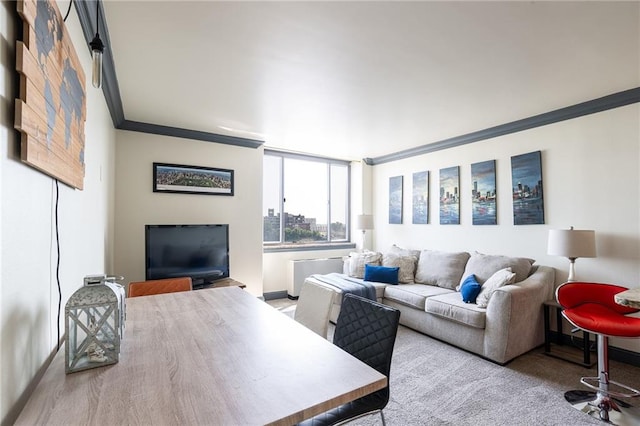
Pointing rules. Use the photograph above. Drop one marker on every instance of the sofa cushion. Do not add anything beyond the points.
(451, 307)
(405, 263)
(413, 295)
(495, 281)
(358, 260)
(441, 268)
(381, 274)
(470, 289)
(485, 265)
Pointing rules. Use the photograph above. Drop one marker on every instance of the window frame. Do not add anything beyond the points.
(328, 244)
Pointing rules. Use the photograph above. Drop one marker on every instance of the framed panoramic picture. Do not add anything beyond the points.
(395, 200)
(483, 194)
(526, 181)
(450, 196)
(192, 179)
(420, 197)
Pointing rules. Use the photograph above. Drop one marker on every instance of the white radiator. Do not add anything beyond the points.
(302, 268)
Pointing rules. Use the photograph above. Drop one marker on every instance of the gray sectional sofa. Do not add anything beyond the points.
(506, 323)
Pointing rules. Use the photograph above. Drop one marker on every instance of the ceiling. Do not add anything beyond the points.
(364, 79)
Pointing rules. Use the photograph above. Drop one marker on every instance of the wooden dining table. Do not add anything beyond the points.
(207, 357)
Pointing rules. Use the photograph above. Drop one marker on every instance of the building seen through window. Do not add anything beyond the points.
(305, 199)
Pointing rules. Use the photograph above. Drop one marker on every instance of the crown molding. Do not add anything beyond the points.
(87, 15)
(604, 103)
(136, 126)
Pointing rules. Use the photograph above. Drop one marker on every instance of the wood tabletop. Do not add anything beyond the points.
(214, 356)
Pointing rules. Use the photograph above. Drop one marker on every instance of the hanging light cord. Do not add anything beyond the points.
(97, 18)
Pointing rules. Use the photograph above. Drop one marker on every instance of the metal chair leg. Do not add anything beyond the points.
(601, 404)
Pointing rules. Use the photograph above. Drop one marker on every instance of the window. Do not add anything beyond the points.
(305, 199)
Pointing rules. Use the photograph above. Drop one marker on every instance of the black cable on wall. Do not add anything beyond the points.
(58, 264)
(58, 236)
(66, 15)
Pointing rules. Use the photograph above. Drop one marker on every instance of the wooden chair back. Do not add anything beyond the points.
(169, 285)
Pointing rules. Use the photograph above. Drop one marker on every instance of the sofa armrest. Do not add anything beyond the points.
(515, 319)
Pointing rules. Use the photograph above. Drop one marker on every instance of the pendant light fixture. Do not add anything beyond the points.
(97, 48)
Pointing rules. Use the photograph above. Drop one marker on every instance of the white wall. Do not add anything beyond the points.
(28, 286)
(137, 204)
(591, 179)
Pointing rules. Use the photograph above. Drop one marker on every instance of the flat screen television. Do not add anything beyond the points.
(197, 251)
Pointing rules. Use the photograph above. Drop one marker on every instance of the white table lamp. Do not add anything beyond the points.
(364, 222)
(572, 244)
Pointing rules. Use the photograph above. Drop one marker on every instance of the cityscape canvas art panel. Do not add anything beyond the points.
(526, 179)
(395, 200)
(192, 179)
(450, 196)
(483, 194)
(420, 197)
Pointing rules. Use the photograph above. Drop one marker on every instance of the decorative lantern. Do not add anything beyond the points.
(94, 324)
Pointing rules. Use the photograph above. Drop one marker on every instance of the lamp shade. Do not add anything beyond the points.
(572, 243)
(364, 221)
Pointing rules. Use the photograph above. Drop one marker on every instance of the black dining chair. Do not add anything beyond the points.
(367, 330)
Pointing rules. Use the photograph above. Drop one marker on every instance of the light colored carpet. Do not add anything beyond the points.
(433, 383)
(437, 384)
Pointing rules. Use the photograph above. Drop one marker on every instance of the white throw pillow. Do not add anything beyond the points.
(346, 261)
(495, 281)
(358, 260)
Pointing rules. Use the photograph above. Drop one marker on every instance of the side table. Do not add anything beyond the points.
(566, 356)
(629, 298)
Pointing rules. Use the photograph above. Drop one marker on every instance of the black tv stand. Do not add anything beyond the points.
(225, 282)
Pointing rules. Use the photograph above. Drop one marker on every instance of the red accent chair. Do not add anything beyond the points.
(591, 307)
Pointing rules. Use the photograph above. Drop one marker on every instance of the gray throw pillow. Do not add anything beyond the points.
(358, 260)
(440, 268)
(484, 266)
(407, 265)
(404, 252)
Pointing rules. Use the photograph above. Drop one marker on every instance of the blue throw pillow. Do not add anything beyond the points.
(470, 289)
(381, 274)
